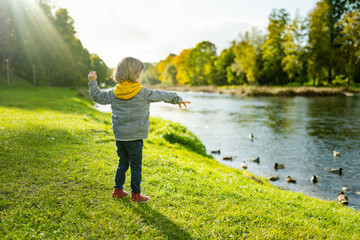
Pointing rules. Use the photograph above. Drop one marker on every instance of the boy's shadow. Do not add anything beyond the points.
(158, 220)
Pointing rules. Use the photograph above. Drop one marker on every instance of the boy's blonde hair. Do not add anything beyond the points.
(128, 69)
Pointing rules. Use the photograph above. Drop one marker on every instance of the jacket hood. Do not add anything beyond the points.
(127, 90)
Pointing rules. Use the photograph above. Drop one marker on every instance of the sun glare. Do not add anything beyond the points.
(39, 23)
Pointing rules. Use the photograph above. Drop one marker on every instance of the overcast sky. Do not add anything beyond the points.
(152, 29)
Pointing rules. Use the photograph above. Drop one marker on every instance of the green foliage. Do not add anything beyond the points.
(320, 48)
(150, 75)
(58, 161)
(330, 52)
(98, 65)
(293, 62)
(273, 47)
(163, 71)
(170, 75)
(248, 56)
(319, 41)
(41, 45)
(221, 64)
(14, 80)
(175, 133)
(201, 61)
(349, 60)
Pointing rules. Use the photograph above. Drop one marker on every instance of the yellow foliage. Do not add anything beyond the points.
(181, 63)
(162, 65)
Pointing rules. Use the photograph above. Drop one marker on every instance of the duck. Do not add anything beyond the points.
(215, 151)
(290, 179)
(251, 136)
(256, 160)
(279, 166)
(336, 153)
(228, 158)
(345, 189)
(336, 170)
(358, 193)
(243, 165)
(274, 178)
(342, 198)
(314, 179)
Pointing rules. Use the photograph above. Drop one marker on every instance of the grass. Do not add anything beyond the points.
(14, 80)
(57, 166)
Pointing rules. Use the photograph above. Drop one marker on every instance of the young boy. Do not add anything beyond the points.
(130, 103)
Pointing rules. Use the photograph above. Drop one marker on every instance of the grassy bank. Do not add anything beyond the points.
(56, 174)
(267, 91)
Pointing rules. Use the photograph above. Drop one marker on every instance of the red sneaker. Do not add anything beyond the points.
(137, 197)
(119, 193)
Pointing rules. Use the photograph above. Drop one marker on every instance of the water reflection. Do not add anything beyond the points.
(299, 132)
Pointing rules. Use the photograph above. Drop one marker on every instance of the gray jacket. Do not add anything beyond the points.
(130, 118)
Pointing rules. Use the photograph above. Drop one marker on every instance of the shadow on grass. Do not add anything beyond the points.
(154, 218)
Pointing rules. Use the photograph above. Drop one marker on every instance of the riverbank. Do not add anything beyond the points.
(264, 91)
(57, 164)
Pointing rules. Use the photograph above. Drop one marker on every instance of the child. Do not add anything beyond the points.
(130, 103)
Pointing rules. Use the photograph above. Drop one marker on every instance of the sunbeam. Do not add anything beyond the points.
(39, 32)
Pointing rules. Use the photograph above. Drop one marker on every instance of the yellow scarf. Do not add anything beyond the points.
(127, 90)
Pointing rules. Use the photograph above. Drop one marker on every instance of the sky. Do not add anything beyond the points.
(152, 29)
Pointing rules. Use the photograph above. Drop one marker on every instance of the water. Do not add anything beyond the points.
(300, 132)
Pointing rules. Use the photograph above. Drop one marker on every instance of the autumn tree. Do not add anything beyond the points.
(184, 67)
(161, 66)
(170, 75)
(248, 56)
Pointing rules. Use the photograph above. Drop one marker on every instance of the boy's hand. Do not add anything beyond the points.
(92, 76)
(184, 103)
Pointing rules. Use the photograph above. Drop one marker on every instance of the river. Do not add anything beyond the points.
(299, 132)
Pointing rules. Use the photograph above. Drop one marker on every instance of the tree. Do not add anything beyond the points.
(273, 47)
(161, 66)
(185, 71)
(325, 37)
(150, 75)
(248, 56)
(98, 65)
(221, 63)
(36, 38)
(350, 45)
(336, 10)
(170, 75)
(201, 61)
(5, 33)
(319, 41)
(294, 60)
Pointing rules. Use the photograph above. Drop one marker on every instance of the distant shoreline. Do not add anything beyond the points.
(263, 91)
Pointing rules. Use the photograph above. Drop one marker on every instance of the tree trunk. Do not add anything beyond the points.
(329, 74)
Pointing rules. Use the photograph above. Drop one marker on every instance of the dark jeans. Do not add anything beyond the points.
(130, 153)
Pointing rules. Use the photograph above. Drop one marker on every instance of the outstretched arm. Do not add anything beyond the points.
(158, 96)
(96, 94)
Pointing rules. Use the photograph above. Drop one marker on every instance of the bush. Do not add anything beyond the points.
(175, 133)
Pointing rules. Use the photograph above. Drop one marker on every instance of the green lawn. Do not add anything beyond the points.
(57, 164)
